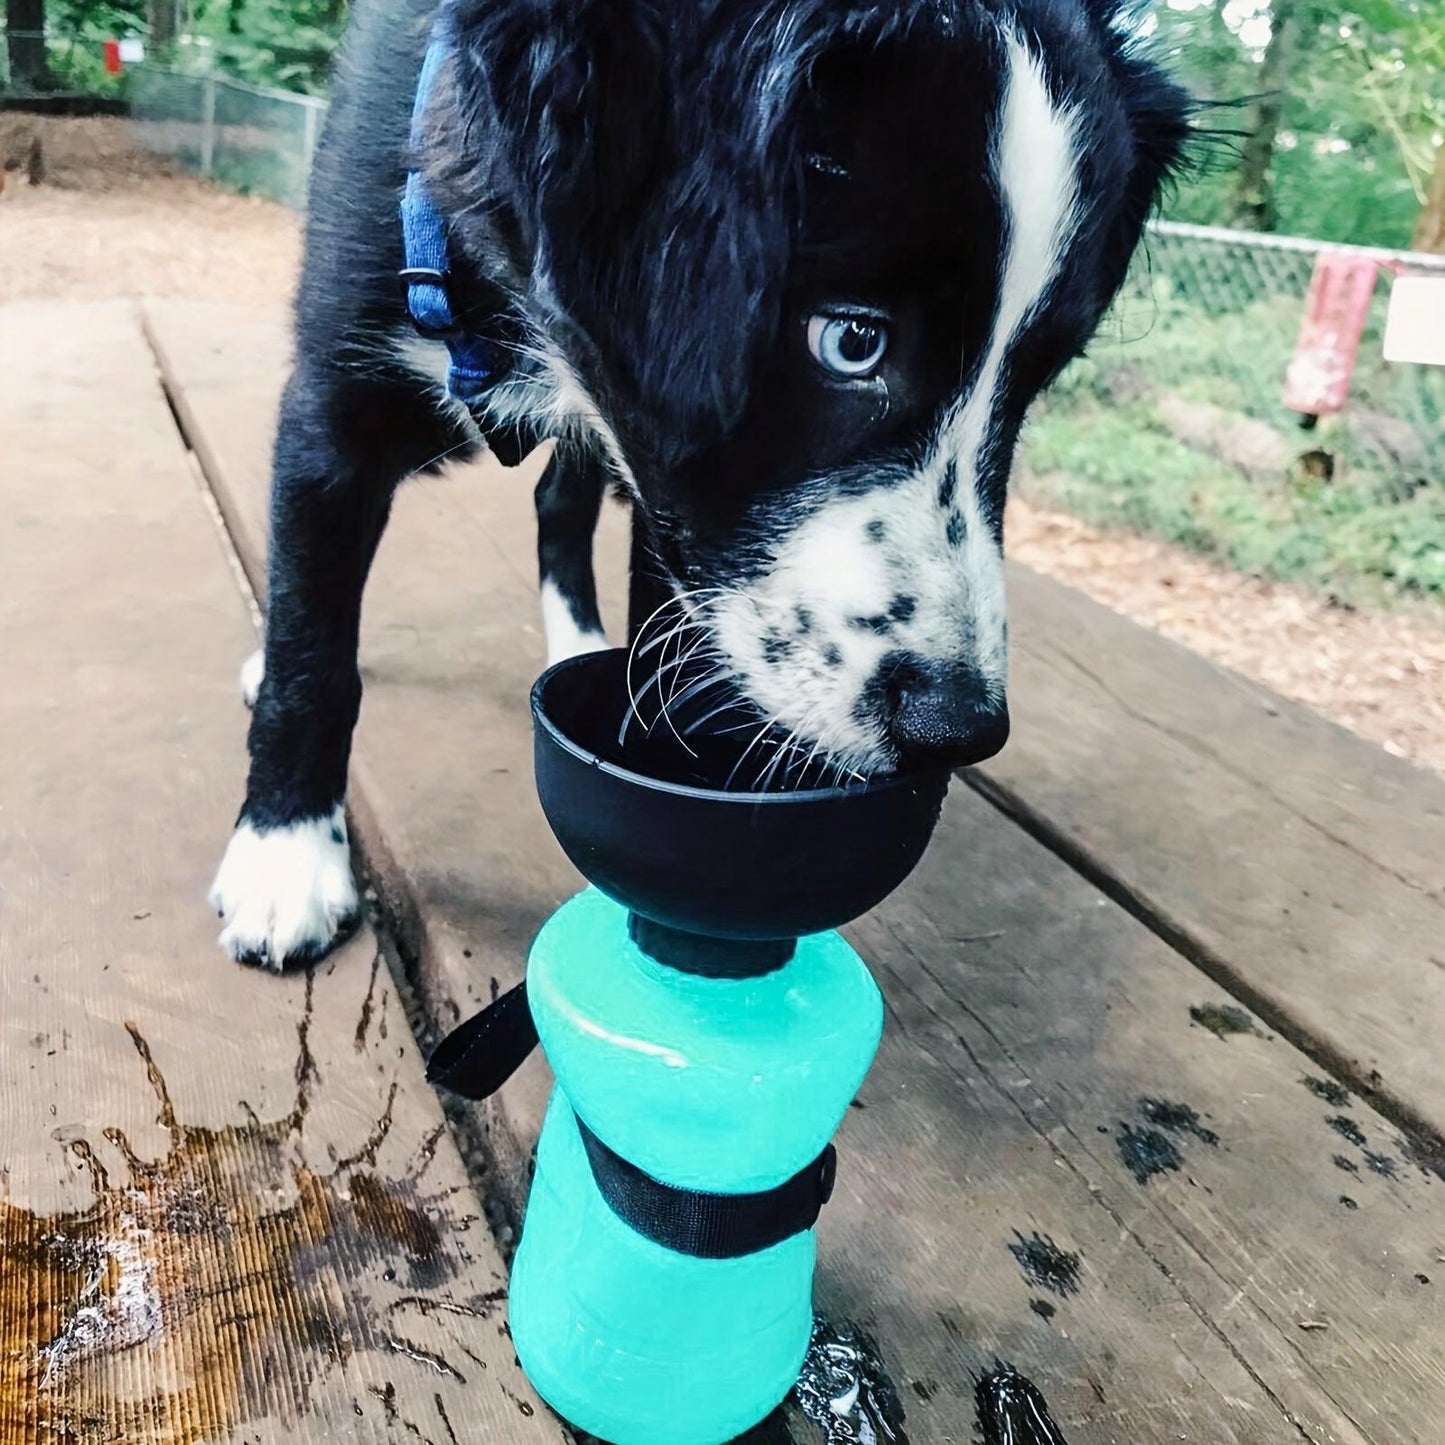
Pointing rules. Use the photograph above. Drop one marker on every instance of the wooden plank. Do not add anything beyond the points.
(1027, 1014)
(1298, 1223)
(1300, 865)
(449, 654)
(229, 1205)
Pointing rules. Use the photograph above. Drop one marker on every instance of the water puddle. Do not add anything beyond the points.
(214, 1286)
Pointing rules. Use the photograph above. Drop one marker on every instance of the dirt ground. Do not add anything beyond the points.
(110, 221)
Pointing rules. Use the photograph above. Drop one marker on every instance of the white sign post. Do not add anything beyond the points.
(1415, 328)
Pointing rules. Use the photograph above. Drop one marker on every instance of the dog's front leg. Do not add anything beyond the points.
(569, 501)
(285, 889)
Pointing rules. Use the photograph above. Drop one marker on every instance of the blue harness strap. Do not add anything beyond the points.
(426, 274)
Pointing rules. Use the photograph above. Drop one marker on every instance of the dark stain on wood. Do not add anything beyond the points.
(1013, 1411)
(368, 1005)
(387, 1395)
(1336, 1095)
(230, 1254)
(1177, 1119)
(1346, 1128)
(1222, 1020)
(1046, 1265)
(1427, 1155)
(1148, 1153)
(845, 1390)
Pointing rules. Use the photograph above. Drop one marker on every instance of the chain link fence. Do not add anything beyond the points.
(247, 137)
(1211, 316)
(1174, 423)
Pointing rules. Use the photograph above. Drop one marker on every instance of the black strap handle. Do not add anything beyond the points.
(710, 1226)
(479, 1056)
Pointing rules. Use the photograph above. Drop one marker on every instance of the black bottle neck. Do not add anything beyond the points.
(706, 957)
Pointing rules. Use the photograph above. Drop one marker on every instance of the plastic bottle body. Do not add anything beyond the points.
(727, 1086)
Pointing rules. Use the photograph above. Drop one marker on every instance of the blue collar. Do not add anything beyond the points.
(426, 272)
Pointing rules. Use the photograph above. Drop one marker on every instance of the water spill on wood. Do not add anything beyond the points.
(845, 1391)
(1146, 1153)
(214, 1286)
(1012, 1411)
(1177, 1119)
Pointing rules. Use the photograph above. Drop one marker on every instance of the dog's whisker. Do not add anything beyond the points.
(781, 751)
(632, 710)
(702, 646)
(693, 689)
(760, 735)
(808, 763)
(750, 722)
(664, 712)
(730, 702)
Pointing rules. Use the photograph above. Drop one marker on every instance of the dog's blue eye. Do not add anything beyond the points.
(848, 346)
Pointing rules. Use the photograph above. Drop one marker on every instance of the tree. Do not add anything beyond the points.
(1430, 229)
(1335, 108)
(25, 43)
(1254, 207)
(161, 20)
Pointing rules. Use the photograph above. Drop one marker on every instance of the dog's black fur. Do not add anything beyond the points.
(647, 202)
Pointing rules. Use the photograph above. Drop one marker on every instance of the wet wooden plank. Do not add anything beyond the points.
(1027, 1015)
(229, 1206)
(1303, 866)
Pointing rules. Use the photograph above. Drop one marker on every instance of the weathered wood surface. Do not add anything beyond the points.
(229, 1207)
(1038, 1074)
(442, 766)
(1283, 854)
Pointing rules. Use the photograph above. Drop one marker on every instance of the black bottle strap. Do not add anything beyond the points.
(710, 1226)
(480, 1055)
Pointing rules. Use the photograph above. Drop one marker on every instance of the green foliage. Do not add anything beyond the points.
(1120, 467)
(284, 43)
(1364, 110)
(1213, 326)
(78, 30)
(287, 44)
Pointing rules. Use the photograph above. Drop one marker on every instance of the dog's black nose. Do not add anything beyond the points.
(939, 713)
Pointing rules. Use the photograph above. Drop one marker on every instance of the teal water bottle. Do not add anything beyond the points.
(713, 1086)
(707, 1029)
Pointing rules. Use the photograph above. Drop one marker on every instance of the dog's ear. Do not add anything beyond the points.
(647, 156)
(1160, 112)
(569, 99)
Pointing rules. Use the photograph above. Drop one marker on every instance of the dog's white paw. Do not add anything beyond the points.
(287, 894)
(252, 671)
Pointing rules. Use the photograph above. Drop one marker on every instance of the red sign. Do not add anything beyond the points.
(1318, 380)
(112, 57)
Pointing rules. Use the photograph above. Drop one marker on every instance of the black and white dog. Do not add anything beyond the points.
(787, 273)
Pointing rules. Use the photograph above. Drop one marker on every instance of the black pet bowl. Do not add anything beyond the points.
(649, 821)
